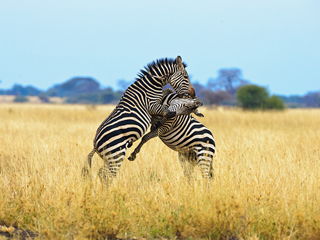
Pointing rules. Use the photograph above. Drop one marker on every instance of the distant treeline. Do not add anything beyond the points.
(217, 91)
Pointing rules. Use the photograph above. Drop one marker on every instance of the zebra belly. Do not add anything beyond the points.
(118, 132)
(188, 134)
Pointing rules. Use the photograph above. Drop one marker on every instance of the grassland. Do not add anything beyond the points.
(266, 185)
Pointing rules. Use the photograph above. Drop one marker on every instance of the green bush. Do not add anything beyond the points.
(252, 97)
(255, 97)
(274, 102)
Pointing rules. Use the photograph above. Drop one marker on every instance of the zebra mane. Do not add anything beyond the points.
(150, 68)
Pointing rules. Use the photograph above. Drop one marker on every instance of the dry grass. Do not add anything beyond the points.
(266, 185)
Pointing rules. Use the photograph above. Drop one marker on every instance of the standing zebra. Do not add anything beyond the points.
(184, 134)
(132, 116)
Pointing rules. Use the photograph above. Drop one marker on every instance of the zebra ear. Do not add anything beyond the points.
(179, 62)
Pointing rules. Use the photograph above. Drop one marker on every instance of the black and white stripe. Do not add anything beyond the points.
(132, 116)
(191, 139)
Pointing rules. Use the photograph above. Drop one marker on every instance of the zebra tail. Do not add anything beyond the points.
(90, 155)
(86, 170)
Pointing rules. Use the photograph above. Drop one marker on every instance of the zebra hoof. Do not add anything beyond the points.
(85, 172)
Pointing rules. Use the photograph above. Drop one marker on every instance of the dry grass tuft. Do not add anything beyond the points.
(266, 185)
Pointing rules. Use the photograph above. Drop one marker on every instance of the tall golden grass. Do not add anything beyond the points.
(266, 185)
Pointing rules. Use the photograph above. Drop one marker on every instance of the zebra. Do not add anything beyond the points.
(190, 138)
(132, 116)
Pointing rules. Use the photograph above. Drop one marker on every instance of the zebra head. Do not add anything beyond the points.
(180, 81)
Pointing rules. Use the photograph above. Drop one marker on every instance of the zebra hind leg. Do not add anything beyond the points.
(205, 162)
(104, 176)
(187, 163)
(111, 167)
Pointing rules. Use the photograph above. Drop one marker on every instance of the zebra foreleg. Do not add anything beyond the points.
(145, 139)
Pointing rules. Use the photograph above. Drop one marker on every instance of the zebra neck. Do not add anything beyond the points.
(168, 98)
(152, 81)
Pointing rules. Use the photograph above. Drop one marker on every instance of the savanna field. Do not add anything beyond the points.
(266, 185)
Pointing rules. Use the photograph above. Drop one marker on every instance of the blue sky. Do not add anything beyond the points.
(276, 43)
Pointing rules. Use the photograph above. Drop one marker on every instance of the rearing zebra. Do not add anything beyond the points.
(184, 134)
(132, 116)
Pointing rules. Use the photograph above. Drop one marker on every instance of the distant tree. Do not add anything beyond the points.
(73, 87)
(229, 80)
(20, 99)
(208, 96)
(200, 89)
(20, 90)
(101, 97)
(274, 102)
(84, 98)
(109, 96)
(293, 101)
(255, 97)
(217, 97)
(252, 97)
(312, 99)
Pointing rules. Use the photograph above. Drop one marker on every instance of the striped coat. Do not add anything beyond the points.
(132, 116)
(190, 138)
